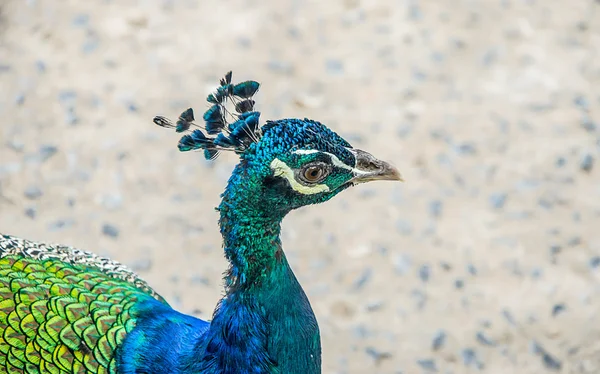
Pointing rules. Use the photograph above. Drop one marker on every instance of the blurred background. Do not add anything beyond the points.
(487, 259)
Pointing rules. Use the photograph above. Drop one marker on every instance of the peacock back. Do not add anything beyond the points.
(63, 310)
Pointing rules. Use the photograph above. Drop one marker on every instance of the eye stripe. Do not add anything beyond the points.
(280, 169)
(335, 161)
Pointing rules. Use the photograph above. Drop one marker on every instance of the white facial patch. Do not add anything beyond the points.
(280, 169)
(334, 160)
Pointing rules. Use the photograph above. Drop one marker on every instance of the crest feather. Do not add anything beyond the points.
(218, 133)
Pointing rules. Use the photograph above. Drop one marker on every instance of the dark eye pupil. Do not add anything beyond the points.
(313, 173)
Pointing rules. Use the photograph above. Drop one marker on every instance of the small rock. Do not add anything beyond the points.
(439, 339)
(459, 284)
(41, 66)
(33, 192)
(588, 124)
(199, 279)
(509, 317)
(587, 163)
(61, 224)
(402, 263)
(483, 339)
(375, 306)
(334, 66)
(466, 149)
(46, 151)
(424, 272)
(280, 66)
(595, 262)
(110, 230)
(363, 279)
(428, 364)
(435, 208)
(470, 358)
(404, 227)
(377, 355)
(19, 99)
(472, 269)
(31, 212)
(549, 361)
(420, 298)
(81, 20)
(497, 200)
(557, 309)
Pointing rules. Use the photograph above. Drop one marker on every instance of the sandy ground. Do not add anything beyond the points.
(485, 260)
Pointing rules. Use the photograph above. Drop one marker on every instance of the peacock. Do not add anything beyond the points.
(64, 310)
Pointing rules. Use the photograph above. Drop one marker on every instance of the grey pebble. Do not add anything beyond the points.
(483, 339)
(588, 124)
(403, 130)
(200, 279)
(46, 151)
(19, 99)
(112, 201)
(402, 263)
(81, 20)
(132, 107)
(439, 339)
(470, 358)
(362, 279)
(424, 272)
(574, 241)
(435, 208)
(110, 230)
(31, 212)
(420, 298)
(333, 66)
(91, 44)
(582, 102)
(472, 269)
(428, 364)
(587, 162)
(595, 262)
(40, 66)
(497, 200)
(459, 284)
(375, 306)
(558, 308)
(360, 331)
(466, 149)
(33, 192)
(377, 355)
(509, 317)
(61, 224)
(549, 361)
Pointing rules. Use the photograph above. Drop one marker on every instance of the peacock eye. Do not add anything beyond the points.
(314, 173)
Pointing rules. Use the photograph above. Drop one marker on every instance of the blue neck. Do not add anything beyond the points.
(265, 322)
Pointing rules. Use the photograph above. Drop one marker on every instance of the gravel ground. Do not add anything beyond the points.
(486, 260)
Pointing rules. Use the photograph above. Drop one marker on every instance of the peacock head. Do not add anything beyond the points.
(285, 164)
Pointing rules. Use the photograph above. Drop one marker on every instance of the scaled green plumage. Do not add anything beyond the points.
(57, 317)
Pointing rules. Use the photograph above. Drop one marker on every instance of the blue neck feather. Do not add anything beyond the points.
(263, 324)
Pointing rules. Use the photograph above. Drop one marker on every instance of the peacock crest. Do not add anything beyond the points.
(223, 129)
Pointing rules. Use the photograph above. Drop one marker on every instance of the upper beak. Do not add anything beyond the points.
(369, 168)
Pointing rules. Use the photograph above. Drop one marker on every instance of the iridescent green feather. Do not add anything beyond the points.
(58, 317)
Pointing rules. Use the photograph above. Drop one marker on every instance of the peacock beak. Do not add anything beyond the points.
(369, 168)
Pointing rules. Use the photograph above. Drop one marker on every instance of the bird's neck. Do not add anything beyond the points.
(264, 320)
